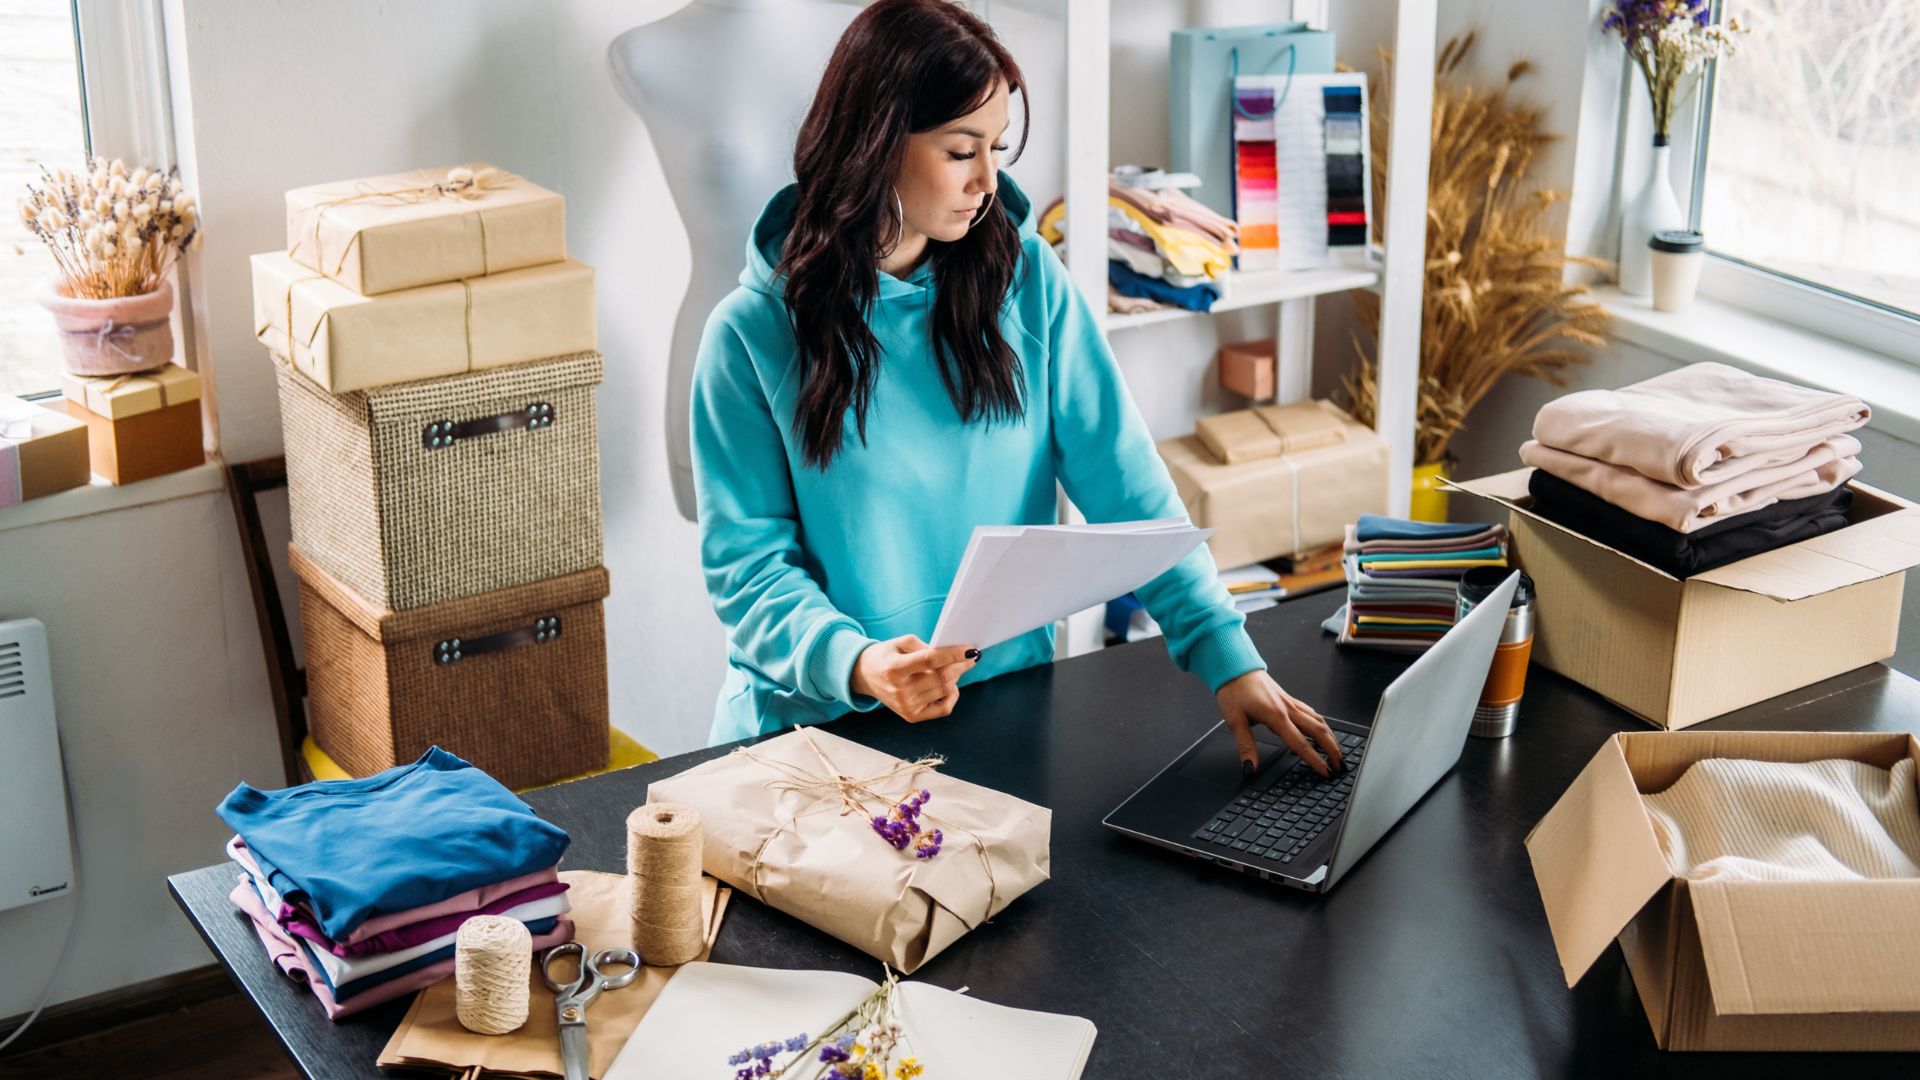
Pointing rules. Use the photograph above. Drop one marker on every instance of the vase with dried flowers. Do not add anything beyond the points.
(114, 235)
(1671, 42)
(1494, 302)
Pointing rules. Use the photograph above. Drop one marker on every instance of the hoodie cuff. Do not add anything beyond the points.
(830, 666)
(1224, 655)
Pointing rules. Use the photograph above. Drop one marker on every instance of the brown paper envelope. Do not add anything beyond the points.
(431, 1036)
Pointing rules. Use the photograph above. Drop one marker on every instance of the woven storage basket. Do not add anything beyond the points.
(514, 681)
(422, 492)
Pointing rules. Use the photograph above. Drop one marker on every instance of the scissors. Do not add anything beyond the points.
(571, 999)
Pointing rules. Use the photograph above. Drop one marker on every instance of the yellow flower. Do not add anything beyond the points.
(859, 1050)
(908, 1069)
(872, 1072)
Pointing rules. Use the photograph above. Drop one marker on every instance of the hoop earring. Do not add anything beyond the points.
(982, 215)
(900, 223)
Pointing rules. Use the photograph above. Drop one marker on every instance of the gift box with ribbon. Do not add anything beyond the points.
(138, 426)
(792, 822)
(345, 341)
(386, 233)
(41, 451)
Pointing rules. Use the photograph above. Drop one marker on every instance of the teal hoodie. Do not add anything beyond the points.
(807, 567)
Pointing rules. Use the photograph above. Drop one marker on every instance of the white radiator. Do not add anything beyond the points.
(36, 862)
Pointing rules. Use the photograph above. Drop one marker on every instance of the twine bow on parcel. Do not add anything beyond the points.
(851, 793)
(461, 184)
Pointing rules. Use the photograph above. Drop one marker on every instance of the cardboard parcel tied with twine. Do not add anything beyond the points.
(386, 233)
(345, 341)
(789, 822)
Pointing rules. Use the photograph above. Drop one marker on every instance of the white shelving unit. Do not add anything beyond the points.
(1399, 275)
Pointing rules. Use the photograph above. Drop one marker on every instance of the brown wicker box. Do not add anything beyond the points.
(422, 492)
(514, 681)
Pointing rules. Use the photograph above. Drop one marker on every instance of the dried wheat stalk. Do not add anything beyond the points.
(1495, 302)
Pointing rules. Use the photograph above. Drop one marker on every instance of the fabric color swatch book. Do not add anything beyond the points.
(708, 1012)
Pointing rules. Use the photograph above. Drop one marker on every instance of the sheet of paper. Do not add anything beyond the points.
(1013, 579)
(710, 1011)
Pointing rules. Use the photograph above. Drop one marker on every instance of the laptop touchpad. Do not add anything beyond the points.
(1217, 761)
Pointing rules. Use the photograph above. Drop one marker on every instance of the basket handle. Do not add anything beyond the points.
(440, 434)
(454, 650)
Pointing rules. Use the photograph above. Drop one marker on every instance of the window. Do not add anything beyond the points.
(41, 121)
(1812, 147)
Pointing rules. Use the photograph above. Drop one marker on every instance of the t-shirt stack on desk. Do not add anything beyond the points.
(434, 347)
(1433, 958)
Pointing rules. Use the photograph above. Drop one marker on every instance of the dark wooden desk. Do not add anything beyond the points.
(1431, 960)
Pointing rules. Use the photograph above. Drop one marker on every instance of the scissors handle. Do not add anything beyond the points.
(610, 957)
(579, 953)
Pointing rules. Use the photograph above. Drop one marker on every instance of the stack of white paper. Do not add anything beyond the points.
(1014, 578)
(710, 1011)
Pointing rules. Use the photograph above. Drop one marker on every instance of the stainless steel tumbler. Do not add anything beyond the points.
(1499, 708)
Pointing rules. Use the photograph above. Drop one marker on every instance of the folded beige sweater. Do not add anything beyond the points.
(1789, 821)
(1820, 470)
(1700, 424)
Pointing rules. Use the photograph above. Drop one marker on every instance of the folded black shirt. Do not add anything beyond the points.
(1686, 554)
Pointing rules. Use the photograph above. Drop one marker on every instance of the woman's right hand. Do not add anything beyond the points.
(914, 679)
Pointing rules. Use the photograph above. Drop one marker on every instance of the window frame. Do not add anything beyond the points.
(1766, 292)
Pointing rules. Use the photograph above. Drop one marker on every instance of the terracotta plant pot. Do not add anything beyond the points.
(120, 336)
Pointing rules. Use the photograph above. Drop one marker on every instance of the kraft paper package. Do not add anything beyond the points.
(789, 822)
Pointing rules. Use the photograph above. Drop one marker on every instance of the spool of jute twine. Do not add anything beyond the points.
(492, 970)
(663, 872)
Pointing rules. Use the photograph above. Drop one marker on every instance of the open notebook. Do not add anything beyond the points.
(709, 1011)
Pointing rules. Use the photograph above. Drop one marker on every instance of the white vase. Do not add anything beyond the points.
(1654, 208)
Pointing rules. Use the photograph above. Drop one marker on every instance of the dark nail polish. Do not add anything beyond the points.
(1246, 767)
(973, 654)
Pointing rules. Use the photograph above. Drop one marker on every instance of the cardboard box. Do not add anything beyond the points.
(386, 233)
(1280, 505)
(345, 341)
(1248, 368)
(41, 451)
(138, 426)
(1728, 964)
(1675, 652)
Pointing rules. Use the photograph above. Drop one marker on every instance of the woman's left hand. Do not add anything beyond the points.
(1254, 698)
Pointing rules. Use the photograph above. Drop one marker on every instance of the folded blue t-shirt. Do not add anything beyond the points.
(1381, 527)
(400, 839)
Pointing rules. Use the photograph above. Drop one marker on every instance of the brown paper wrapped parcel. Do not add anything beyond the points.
(787, 821)
(345, 341)
(385, 233)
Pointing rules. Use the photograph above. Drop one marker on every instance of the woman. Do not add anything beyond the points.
(906, 359)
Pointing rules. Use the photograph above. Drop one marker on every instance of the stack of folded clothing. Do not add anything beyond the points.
(1696, 468)
(1401, 578)
(1164, 249)
(358, 887)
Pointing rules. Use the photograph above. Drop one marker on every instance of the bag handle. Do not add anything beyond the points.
(453, 650)
(1233, 56)
(440, 434)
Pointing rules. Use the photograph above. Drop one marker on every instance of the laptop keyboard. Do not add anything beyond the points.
(1279, 822)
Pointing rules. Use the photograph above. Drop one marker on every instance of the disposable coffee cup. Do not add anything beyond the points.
(1498, 712)
(1678, 255)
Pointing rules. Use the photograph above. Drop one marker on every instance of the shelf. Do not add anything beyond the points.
(1253, 288)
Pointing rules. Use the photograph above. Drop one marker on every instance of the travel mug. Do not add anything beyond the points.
(1677, 257)
(1499, 708)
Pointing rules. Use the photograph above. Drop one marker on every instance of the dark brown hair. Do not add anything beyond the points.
(902, 67)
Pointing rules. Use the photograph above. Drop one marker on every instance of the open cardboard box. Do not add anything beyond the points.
(1722, 964)
(1675, 652)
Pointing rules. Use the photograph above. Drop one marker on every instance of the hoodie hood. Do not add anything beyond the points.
(769, 238)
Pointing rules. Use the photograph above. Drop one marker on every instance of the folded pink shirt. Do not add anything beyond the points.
(286, 954)
(1698, 425)
(300, 921)
(1685, 510)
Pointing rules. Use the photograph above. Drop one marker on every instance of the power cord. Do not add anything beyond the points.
(73, 920)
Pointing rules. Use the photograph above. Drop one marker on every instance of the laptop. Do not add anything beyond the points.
(1285, 823)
